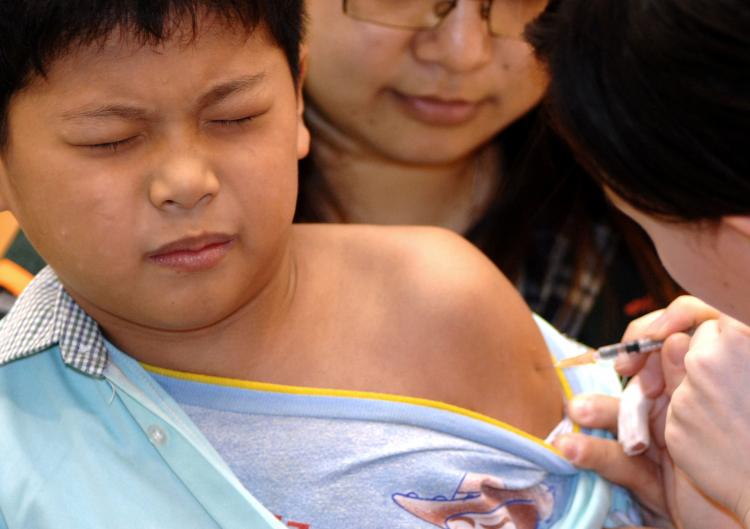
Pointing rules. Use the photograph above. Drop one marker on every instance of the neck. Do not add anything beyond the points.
(371, 188)
(228, 347)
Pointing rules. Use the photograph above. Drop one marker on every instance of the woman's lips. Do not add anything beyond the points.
(437, 111)
(193, 254)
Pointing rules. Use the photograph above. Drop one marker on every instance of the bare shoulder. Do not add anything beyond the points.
(440, 321)
(427, 271)
(411, 265)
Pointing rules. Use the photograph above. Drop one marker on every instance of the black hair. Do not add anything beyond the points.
(654, 98)
(33, 33)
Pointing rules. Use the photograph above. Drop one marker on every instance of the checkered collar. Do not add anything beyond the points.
(44, 316)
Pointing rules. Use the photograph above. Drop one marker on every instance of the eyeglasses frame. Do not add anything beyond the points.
(486, 6)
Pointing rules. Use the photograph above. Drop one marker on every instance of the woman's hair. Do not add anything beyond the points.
(654, 98)
(34, 33)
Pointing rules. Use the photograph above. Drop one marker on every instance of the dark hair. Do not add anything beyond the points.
(654, 98)
(33, 33)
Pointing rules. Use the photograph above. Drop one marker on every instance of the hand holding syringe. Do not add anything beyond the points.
(635, 405)
(696, 401)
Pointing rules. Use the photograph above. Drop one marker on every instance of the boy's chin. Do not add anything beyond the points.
(160, 316)
(182, 319)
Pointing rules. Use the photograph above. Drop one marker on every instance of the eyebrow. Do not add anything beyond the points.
(107, 111)
(213, 96)
(224, 90)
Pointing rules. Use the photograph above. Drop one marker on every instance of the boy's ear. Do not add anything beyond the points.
(740, 223)
(303, 134)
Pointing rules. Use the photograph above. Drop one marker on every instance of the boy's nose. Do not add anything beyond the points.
(460, 43)
(183, 183)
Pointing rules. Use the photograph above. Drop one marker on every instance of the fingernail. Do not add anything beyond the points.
(580, 409)
(569, 448)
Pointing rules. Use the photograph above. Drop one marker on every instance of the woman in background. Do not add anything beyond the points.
(426, 112)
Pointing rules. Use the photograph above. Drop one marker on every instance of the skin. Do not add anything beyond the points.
(387, 162)
(710, 260)
(124, 148)
(699, 381)
(182, 170)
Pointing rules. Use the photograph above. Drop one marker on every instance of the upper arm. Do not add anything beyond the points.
(480, 333)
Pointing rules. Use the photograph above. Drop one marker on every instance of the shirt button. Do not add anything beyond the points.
(157, 436)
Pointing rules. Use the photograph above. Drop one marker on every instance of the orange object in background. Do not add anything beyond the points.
(13, 277)
(8, 230)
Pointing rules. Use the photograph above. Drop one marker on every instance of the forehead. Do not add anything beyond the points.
(122, 62)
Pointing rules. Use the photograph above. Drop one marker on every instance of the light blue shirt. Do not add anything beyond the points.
(89, 440)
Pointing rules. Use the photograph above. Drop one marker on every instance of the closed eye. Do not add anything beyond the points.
(233, 122)
(113, 146)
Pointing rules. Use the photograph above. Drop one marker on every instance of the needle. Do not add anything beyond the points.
(644, 345)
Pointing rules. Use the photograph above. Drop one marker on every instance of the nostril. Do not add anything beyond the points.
(486, 6)
(442, 9)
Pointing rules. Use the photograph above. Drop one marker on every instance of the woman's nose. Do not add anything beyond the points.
(461, 42)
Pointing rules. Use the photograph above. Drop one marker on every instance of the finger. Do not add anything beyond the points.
(651, 376)
(705, 335)
(629, 365)
(606, 457)
(672, 355)
(595, 411)
(683, 314)
(658, 418)
(705, 347)
(637, 328)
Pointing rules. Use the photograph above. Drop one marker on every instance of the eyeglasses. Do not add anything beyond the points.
(505, 18)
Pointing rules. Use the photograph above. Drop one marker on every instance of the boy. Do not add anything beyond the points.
(149, 153)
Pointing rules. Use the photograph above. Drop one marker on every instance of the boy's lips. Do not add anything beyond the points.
(438, 111)
(193, 254)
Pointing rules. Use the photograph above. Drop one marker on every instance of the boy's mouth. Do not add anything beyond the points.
(193, 254)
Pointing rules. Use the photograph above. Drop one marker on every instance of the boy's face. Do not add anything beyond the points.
(159, 182)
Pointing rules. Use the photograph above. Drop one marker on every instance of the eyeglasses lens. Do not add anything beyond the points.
(505, 18)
